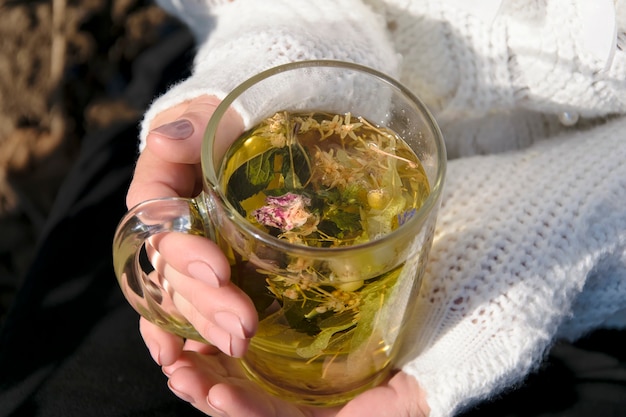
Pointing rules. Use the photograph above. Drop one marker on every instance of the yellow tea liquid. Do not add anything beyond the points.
(327, 181)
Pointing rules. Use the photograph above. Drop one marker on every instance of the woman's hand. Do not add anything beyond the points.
(193, 266)
(216, 385)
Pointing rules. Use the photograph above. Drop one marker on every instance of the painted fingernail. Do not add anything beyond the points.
(221, 339)
(183, 396)
(239, 347)
(180, 129)
(203, 272)
(231, 323)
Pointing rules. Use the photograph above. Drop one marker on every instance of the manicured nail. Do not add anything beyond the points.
(221, 339)
(180, 394)
(231, 323)
(180, 129)
(203, 272)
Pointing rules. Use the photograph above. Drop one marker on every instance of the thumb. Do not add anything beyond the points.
(176, 134)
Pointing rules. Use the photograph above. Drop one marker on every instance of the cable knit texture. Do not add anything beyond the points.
(531, 238)
(520, 235)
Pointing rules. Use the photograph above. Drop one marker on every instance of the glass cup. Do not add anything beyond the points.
(302, 351)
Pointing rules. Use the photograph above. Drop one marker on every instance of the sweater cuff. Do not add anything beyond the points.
(249, 37)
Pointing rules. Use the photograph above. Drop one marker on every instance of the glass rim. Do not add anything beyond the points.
(420, 215)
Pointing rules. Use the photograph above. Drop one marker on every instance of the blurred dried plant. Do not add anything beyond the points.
(63, 67)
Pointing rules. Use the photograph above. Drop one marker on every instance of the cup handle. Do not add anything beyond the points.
(146, 292)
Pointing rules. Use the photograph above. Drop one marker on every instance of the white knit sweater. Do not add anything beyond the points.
(531, 238)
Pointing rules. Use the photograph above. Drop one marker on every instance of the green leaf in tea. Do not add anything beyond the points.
(259, 171)
(321, 341)
(296, 169)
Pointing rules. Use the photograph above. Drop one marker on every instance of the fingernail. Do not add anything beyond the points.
(180, 129)
(221, 339)
(155, 352)
(239, 347)
(180, 394)
(231, 323)
(203, 272)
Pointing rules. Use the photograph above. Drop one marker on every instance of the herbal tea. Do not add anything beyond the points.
(330, 181)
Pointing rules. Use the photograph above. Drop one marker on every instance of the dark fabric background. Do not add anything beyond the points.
(584, 379)
(71, 345)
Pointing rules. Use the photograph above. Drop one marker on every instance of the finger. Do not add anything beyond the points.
(200, 347)
(176, 134)
(204, 284)
(216, 364)
(155, 178)
(164, 347)
(226, 319)
(193, 376)
(192, 255)
(217, 385)
(205, 383)
(223, 316)
(209, 302)
(205, 281)
(189, 385)
(223, 330)
(192, 391)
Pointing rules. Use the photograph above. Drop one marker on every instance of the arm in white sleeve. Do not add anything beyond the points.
(540, 55)
(500, 74)
(528, 243)
(241, 38)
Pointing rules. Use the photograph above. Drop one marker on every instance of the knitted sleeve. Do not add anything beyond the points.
(241, 38)
(542, 55)
(530, 245)
(498, 79)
